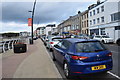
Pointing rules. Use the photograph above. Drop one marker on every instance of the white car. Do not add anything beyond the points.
(53, 41)
(104, 38)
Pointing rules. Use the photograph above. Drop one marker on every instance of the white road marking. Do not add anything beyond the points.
(113, 75)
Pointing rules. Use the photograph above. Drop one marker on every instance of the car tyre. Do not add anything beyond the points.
(50, 49)
(66, 70)
(103, 41)
(104, 72)
(118, 42)
(53, 56)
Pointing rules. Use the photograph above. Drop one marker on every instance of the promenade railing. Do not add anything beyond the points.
(8, 44)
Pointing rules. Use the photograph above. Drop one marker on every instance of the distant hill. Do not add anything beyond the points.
(10, 34)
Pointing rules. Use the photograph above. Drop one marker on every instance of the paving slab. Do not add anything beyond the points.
(38, 64)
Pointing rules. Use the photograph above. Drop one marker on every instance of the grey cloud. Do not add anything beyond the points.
(44, 13)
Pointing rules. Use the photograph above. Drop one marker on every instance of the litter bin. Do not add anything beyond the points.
(30, 41)
(20, 48)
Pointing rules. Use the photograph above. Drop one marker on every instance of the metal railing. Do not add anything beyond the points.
(8, 44)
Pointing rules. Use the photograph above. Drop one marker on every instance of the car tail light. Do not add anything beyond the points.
(51, 42)
(79, 57)
(109, 54)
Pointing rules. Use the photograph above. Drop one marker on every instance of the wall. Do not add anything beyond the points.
(47, 30)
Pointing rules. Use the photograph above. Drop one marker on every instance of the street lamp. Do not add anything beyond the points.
(32, 21)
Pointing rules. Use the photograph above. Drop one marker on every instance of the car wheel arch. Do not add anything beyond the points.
(103, 41)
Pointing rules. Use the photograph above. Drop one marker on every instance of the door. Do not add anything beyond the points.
(61, 50)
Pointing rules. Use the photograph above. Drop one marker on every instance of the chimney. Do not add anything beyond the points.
(70, 16)
(98, 2)
(79, 12)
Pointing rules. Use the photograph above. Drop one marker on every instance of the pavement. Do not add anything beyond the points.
(35, 63)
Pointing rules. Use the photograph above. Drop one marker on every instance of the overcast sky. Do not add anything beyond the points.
(15, 14)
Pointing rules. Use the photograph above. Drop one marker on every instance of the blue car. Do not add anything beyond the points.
(82, 56)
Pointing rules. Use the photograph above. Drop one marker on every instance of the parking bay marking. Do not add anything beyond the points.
(113, 75)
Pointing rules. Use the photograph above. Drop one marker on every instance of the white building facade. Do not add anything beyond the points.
(40, 31)
(48, 29)
(104, 19)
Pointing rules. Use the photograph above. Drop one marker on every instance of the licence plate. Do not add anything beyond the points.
(99, 67)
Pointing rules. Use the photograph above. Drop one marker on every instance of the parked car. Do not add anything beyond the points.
(42, 37)
(82, 36)
(104, 38)
(52, 41)
(35, 38)
(46, 39)
(82, 56)
(118, 42)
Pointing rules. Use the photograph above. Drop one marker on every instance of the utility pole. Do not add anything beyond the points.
(32, 21)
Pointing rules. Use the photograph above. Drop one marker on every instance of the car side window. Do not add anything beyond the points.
(65, 45)
(60, 44)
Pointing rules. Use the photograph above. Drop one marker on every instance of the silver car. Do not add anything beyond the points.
(53, 41)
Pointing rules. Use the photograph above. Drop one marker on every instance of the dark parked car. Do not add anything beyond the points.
(82, 56)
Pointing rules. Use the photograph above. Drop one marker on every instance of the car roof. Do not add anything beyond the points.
(57, 37)
(76, 40)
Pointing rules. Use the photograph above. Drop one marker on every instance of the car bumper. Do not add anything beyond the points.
(109, 41)
(86, 68)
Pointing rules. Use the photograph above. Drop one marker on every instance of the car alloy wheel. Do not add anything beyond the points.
(66, 71)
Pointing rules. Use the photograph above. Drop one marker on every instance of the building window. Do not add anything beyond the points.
(90, 13)
(85, 16)
(97, 10)
(90, 22)
(94, 31)
(115, 16)
(117, 27)
(102, 19)
(82, 24)
(102, 8)
(102, 31)
(68, 28)
(77, 27)
(98, 20)
(93, 12)
(93, 21)
(87, 23)
(82, 17)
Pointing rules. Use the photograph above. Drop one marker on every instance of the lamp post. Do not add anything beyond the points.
(32, 21)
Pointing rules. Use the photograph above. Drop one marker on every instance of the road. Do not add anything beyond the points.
(110, 75)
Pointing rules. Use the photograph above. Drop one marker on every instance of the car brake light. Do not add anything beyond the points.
(109, 54)
(51, 42)
(79, 57)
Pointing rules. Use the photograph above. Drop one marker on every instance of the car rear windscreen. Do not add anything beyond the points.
(87, 47)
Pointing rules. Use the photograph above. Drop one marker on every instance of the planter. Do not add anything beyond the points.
(19, 48)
